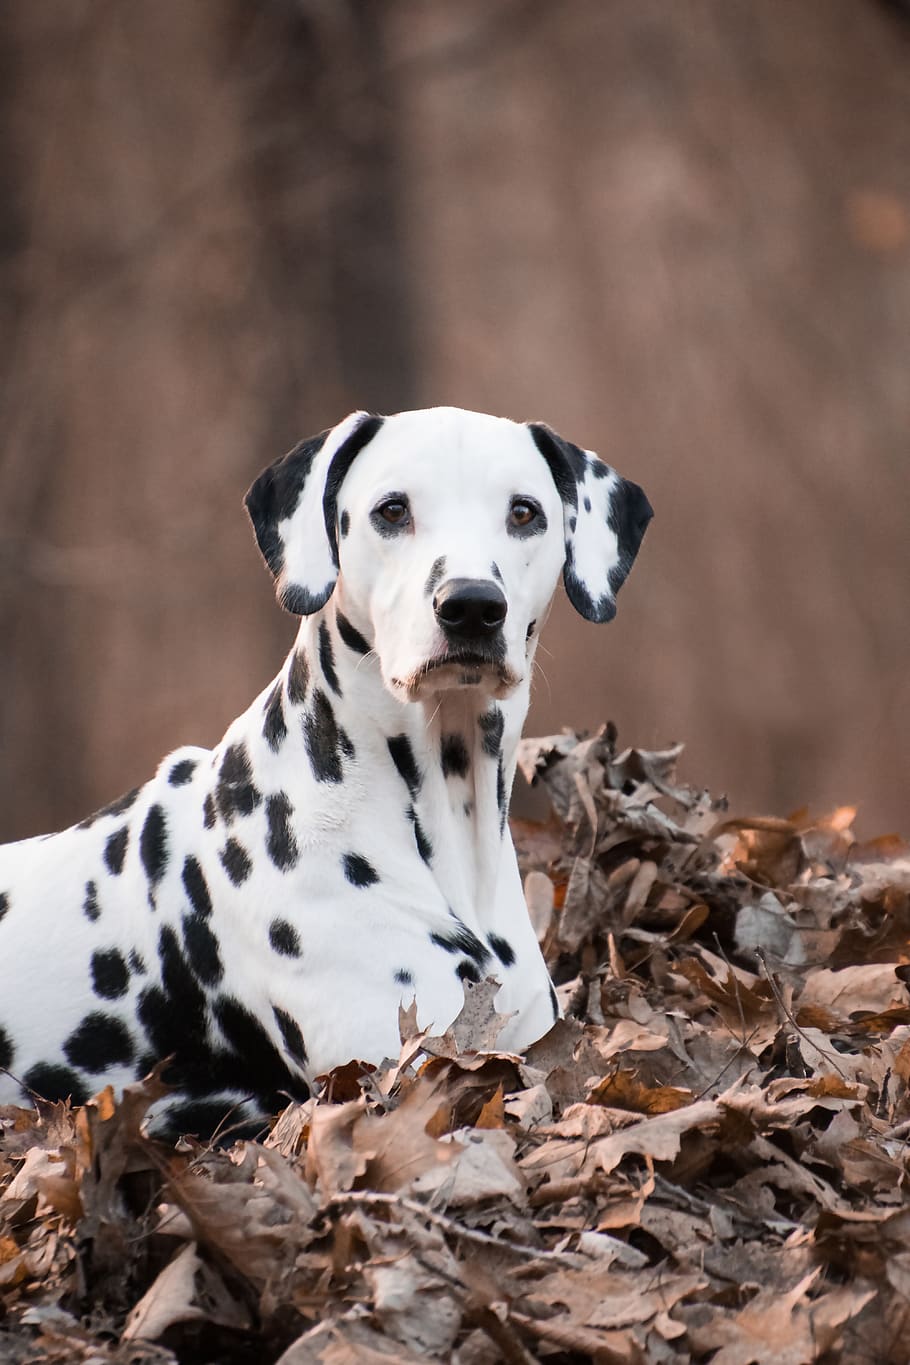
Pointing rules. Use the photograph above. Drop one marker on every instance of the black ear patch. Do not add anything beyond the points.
(605, 519)
(274, 496)
(293, 506)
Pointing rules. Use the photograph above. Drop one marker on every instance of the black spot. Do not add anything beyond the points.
(196, 887)
(468, 809)
(494, 570)
(202, 949)
(153, 844)
(284, 938)
(274, 729)
(573, 522)
(327, 658)
(55, 1083)
(461, 940)
(110, 974)
(424, 847)
(208, 811)
(554, 1003)
(298, 678)
(323, 739)
(236, 792)
(530, 630)
(137, 963)
(587, 503)
(455, 759)
(173, 1016)
(404, 977)
(351, 636)
(345, 743)
(101, 1041)
(4, 903)
(280, 842)
(467, 972)
(345, 524)
(236, 861)
(90, 907)
(7, 1051)
(181, 772)
(115, 849)
(503, 950)
(358, 871)
(290, 1032)
(492, 723)
(435, 576)
(501, 787)
(117, 807)
(599, 469)
(405, 762)
(258, 1067)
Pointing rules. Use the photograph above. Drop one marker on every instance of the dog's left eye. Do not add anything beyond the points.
(523, 512)
(394, 512)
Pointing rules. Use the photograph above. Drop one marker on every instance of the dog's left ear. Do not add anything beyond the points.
(293, 507)
(605, 518)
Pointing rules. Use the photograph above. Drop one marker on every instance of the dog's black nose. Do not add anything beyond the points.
(470, 608)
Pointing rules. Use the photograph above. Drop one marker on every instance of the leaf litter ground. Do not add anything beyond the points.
(705, 1160)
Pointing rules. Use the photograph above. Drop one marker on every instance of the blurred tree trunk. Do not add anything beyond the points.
(679, 233)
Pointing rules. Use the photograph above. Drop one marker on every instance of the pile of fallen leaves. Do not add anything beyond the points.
(706, 1160)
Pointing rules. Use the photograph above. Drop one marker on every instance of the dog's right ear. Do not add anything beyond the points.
(292, 506)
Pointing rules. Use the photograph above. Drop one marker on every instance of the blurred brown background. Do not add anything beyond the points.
(678, 232)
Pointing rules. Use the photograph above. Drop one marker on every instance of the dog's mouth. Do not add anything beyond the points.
(460, 668)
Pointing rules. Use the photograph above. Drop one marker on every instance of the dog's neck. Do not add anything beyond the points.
(455, 755)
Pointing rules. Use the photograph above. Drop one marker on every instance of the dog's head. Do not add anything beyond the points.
(445, 531)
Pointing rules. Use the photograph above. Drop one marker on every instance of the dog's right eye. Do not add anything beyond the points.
(391, 512)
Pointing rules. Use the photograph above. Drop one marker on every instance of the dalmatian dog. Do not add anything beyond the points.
(258, 912)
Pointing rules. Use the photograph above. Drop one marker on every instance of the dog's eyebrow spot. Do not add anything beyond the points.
(274, 729)
(90, 907)
(435, 576)
(403, 757)
(280, 842)
(358, 871)
(327, 658)
(236, 861)
(115, 849)
(110, 974)
(351, 636)
(100, 1041)
(454, 756)
(290, 1031)
(298, 677)
(181, 772)
(284, 938)
(492, 724)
